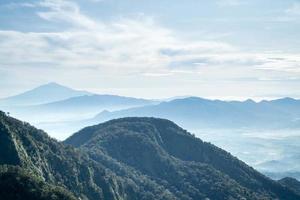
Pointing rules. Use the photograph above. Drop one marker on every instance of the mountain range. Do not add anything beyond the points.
(54, 107)
(77, 108)
(54, 102)
(243, 124)
(128, 158)
(195, 113)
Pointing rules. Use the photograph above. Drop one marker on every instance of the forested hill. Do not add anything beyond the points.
(62, 165)
(291, 183)
(131, 158)
(181, 162)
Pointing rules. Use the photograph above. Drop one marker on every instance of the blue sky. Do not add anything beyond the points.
(227, 49)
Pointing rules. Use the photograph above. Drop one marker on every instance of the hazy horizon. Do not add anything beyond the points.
(244, 129)
(99, 92)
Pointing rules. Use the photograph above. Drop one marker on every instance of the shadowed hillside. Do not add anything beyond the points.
(19, 184)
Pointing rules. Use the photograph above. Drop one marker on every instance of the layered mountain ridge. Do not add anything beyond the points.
(61, 110)
(195, 113)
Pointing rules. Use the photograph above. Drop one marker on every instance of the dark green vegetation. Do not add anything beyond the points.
(131, 158)
(184, 164)
(18, 184)
(291, 183)
(61, 165)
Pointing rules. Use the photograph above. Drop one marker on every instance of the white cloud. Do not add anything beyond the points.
(231, 2)
(290, 14)
(63, 10)
(16, 5)
(124, 46)
(294, 9)
(136, 47)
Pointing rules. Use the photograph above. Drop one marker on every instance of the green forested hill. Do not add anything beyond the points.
(181, 162)
(291, 183)
(63, 165)
(130, 158)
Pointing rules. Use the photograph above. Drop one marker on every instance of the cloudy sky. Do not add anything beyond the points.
(229, 49)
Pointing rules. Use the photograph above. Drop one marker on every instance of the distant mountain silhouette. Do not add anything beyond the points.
(70, 115)
(88, 104)
(43, 94)
(54, 102)
(194, 113)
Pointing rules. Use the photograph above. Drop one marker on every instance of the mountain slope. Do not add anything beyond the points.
(291, 183)
(43, 94)
(23, 145)
(19, 184)
(182, 163)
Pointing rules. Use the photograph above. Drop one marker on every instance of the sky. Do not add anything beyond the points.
(226, 49)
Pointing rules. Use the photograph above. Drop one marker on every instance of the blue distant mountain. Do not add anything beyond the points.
(43, 94)
(54, 102)
(194, 112)
(96, 102)
(77, 107)
(55, 107)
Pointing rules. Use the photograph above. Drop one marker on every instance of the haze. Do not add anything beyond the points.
(225, 49)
